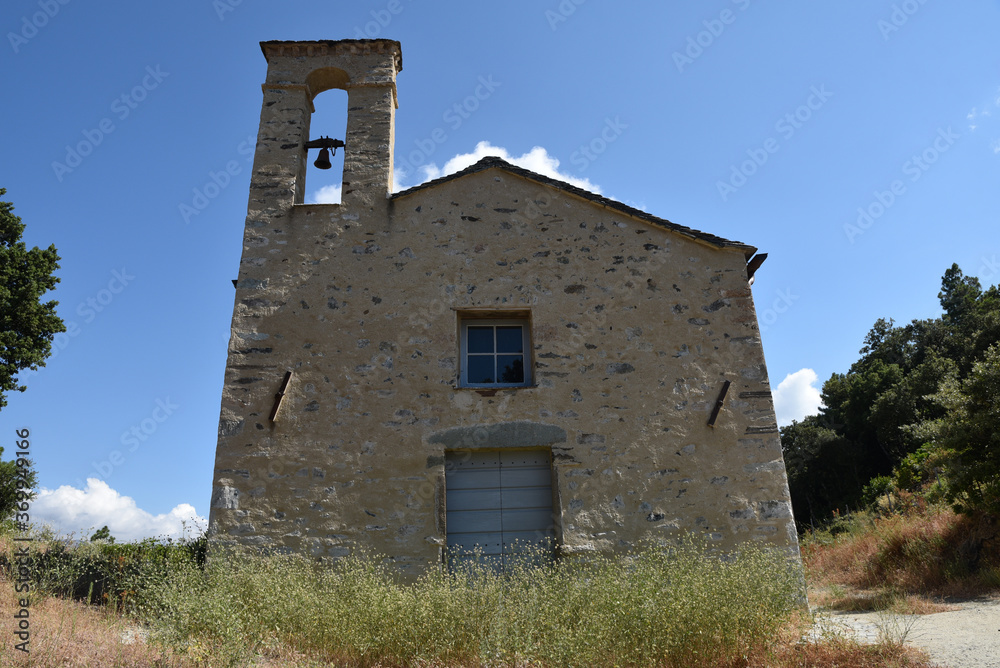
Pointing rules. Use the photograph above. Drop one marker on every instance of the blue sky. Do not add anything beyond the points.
(856, 143)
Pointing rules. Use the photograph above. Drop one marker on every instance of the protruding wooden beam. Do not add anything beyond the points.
(719, 403)
(279, 396)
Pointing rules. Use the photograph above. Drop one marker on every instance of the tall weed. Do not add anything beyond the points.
(681, 606)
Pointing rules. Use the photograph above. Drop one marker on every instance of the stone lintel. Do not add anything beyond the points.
(522, 434)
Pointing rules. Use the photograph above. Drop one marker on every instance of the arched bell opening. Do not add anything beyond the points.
(325, 166)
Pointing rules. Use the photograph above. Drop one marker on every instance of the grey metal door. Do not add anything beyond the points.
(498, 500)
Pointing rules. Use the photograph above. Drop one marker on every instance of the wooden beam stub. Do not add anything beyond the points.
(279, 396)
(719, 403)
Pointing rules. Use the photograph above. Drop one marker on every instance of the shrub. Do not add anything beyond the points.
(876, 488)
(117, 574)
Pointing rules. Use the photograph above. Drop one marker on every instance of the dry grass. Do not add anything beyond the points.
(906, 563)
(831, 650)
(67, 634)
(70, 634)
(844, 654)
(836, 597)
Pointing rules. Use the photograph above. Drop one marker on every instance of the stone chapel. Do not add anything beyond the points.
(493, 358)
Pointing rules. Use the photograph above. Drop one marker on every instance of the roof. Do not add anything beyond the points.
(492, 162)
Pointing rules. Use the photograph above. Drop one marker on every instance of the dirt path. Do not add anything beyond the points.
(965, 638)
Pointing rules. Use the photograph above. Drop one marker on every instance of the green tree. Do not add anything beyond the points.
(104, 533)
(27, 324)
(822, 466)
(970, 435)
(920, 405)
(9, 488)
(959, 295)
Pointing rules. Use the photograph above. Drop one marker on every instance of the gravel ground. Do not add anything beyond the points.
(968, 637)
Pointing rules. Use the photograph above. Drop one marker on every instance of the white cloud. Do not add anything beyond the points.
(326, 195)
(537, 160)
(796, 396)
(71, 510)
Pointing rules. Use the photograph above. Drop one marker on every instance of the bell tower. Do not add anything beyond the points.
(290, 303)
(296, 73)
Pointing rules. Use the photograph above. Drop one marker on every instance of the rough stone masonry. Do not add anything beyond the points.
(629, 372)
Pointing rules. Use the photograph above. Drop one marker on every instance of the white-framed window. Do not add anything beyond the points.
(495, 353)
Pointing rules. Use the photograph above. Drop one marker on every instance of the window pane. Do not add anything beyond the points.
(509, 339)
(481, 368)
(480, 339)
(511, 368)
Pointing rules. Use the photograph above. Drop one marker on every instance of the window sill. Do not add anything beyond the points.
(492, 391)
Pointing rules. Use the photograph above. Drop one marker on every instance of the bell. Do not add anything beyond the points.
(323, 161)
